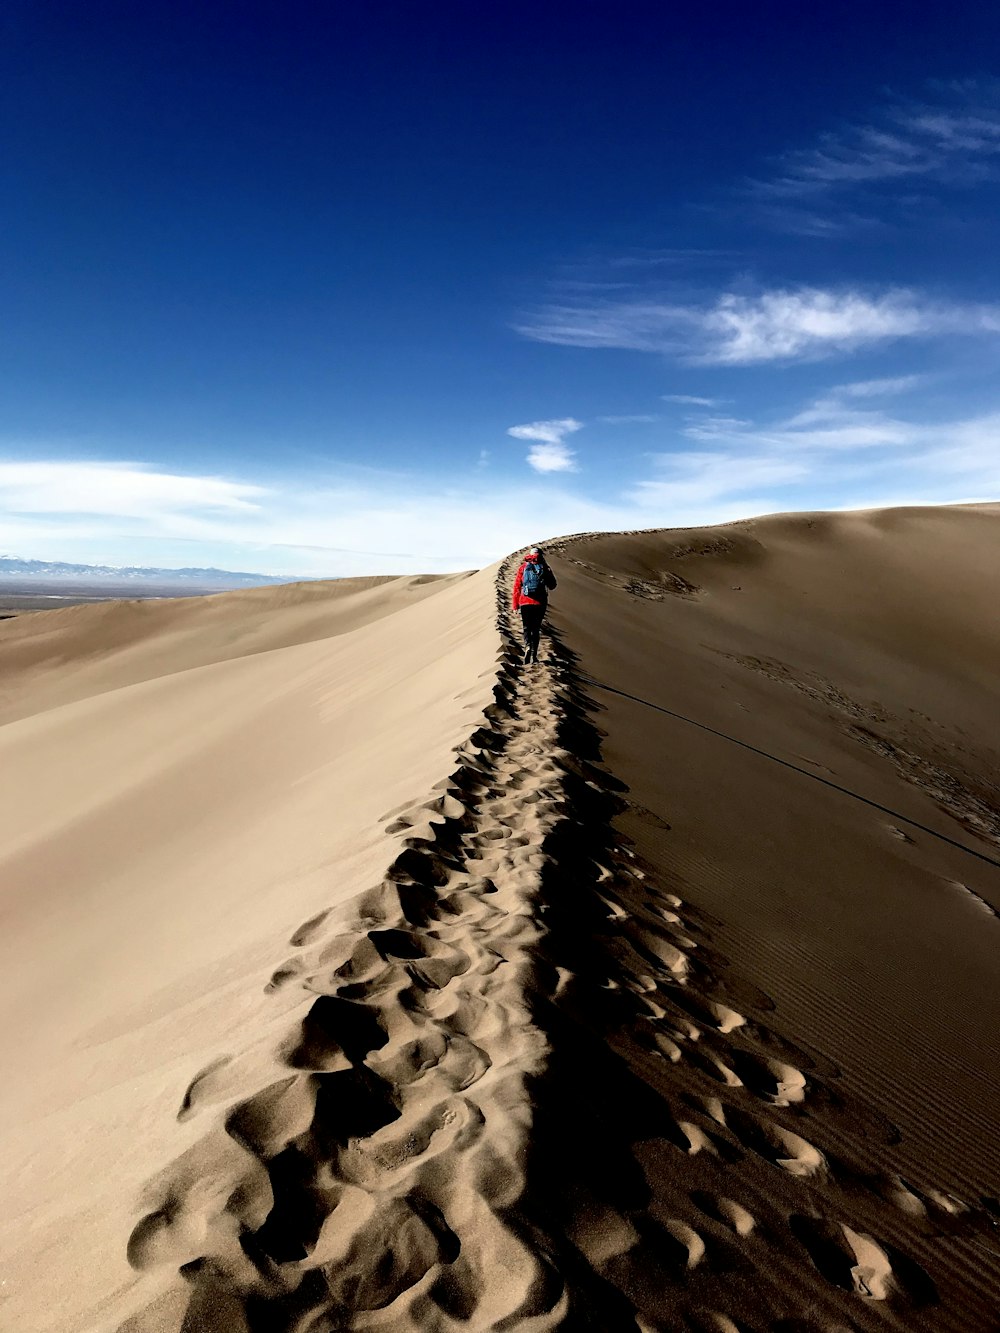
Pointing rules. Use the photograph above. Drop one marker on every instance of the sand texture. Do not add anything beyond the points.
(359, 978)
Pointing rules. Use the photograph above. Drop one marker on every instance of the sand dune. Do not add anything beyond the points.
(357, 977)
(81, 651)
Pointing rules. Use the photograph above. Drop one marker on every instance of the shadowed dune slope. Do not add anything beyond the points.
(186, 784)
(856, 953)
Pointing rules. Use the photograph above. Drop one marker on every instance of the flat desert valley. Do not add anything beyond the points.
(356, 977)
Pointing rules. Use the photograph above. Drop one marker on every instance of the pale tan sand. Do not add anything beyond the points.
(86, 650)
(160, 842)
(362, 979)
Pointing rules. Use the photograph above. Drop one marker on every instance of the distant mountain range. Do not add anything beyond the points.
(14, 569)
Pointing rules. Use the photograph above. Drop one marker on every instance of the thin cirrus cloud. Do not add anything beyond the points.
(954, 139)
(549, 451)
(780, 325)
(880, 388)
(127, 490)
(690, 400)
(869, 176)
(830, 453)
(850, 405)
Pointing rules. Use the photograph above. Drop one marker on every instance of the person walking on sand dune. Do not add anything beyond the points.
(531, 596)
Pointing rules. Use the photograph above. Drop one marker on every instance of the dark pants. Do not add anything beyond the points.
(531, 623)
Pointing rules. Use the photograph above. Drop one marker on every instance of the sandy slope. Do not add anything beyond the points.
(218, 778)
(861, 952)
(617, 1021)
(81, 651)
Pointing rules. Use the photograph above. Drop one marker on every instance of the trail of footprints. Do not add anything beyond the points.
(367, 1188)
(517, 1038)
(733, 1099)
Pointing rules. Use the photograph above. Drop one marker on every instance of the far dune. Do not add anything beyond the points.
(83, 650)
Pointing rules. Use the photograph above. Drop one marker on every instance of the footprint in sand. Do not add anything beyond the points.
(724, 1210)
(859, 1263)
(899, 833)
(775, 1144)
(987, 908)
(204, 1088)
(167, 1236)
(289, 971)
(308, 931)
(778, 1083)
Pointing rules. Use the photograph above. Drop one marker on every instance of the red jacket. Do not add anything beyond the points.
(519, 598)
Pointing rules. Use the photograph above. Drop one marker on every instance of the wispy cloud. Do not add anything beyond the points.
(692, 480)
(883, 388)
(852, 409)
(690, 400)
(828, 454)
(304, 526)
(710, 428)
(785, 324)
(679, 255)
(835, 451)
(125, 489)
(633, 419)
(865, 175)
(957, 140)
(549, 452)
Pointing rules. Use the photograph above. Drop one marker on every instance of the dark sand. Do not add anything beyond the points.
(863, 951)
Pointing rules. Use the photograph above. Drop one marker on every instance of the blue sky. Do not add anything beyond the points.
(323, 289)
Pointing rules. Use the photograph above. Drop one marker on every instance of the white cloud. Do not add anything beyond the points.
(956, 141)
(635, 419)
(125, 489)
(690, 400)
(308, 527)
(709, 428)
(642, 326)
(549, 452)
(554, 457)
(783, 325)
(804, 323)
(867, 177)
(826, 456)
(879, 388)
(693, 480)
(836, 451)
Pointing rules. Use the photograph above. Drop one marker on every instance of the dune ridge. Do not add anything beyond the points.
(368, 1187)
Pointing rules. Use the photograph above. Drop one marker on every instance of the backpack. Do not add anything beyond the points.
(533, 580)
